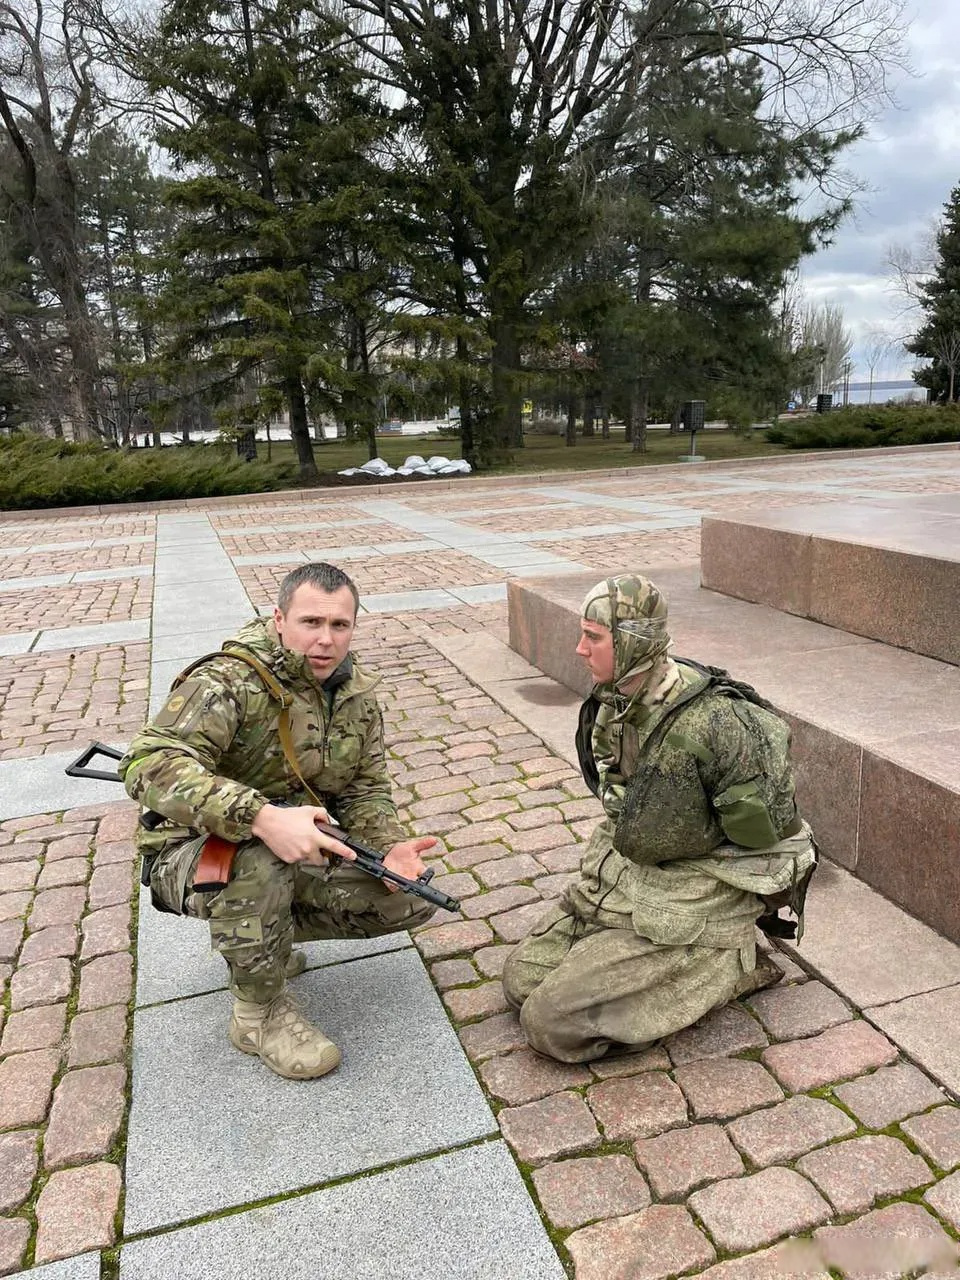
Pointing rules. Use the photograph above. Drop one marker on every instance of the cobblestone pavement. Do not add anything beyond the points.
(781, 1136)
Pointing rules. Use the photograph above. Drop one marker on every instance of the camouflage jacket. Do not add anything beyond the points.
(211, 758)
(700, 818)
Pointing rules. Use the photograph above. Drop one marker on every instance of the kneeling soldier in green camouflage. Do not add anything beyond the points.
(279, 730)
(701, 841)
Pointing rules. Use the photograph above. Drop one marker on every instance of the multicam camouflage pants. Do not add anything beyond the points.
(582, 990)
(268, 905)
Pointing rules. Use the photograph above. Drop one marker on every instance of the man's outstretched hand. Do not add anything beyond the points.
(404, 858)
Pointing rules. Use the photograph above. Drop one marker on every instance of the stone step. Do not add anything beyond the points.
(884, 568)
(876, 729)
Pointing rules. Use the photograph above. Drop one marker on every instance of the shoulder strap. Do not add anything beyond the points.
(276, 691)
(722, 681)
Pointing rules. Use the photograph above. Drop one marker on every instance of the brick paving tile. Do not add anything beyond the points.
(531, 819)
(74, 846)
(937, 1134)
(105, 931)
(574, 1192)
(475, 855)
(887, 1243)
(458, 885)
(654, 1244)
(677, 1162)
(490, 960)
(67, 871)
(497, 900)
(110, 885)
(114, 851)
(509, 870)
(18, 1167)
(539, 840)
(26, 1082)
(557, 860)
(45, 982)
(46, 944)
(14, 1234)
(452, 973)
(789, 1130)
(745, 1213)
(476, 1002)
(718, 1088)
(499, 1034)
(637, 1106)
(98, 1036)
(524, 1076)
(14, 905)
(550, 1127)
(87, 1111)
(15, 876)
(106, 980)
(119, 822)
(631, 1064)
(479, 833)
(76, 1211)
(550, 887)
(793, 1259)
(889, 1095)
(40, 1028)
(451, 939)
(532, 799)
(791, 1012)
(945, 1198)
(20, 851)
(853, 1175)
(452, 802)
(725, 1031)
(11, 934)
(58, 906)
(837, 1054)
(511, 926)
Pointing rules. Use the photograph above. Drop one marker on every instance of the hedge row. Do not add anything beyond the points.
(36, 472)
(870, 426)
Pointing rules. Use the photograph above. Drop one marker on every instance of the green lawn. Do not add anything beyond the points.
(545, 453)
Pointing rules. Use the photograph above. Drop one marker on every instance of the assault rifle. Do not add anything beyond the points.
(215, 872)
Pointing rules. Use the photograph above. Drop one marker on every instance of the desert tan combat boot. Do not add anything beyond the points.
(282, 1037)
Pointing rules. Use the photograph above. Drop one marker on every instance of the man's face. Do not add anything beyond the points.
(596, 649)
(319, 624)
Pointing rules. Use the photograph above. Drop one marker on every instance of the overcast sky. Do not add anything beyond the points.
(910, 161)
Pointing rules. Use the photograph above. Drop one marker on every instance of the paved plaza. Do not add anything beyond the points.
(807, 1131)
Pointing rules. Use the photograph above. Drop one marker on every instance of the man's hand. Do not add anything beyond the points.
(292, 835)
(404, 858)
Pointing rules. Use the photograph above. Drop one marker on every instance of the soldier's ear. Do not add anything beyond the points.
(278, 619)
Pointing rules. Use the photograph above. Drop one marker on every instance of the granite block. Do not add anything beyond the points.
(175, 960)
(925, 1027)
(85, 1266)
(742, 557)
(827, 770)
(17, 642)
(89, 637)
(404, 1089)
(910, 829)
(465, 1214)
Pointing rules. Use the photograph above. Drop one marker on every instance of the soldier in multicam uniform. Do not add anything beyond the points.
(700, 841)
(212, 763)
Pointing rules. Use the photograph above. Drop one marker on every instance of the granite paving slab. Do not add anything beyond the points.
(109, 575)
(39, 785)
(87, 637)
(484, 594)
(464, 1215)
(188, 645)
(29, 584)
(174, 958)
(85, 1266)
(19, 642)
(241, 1133)
(401, 601)
(925, 1027)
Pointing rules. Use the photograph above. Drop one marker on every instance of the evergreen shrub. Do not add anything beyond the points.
(870, 426)
(37, 472)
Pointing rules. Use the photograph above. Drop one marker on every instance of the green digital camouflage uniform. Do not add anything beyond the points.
(700, 827)
(211, 759)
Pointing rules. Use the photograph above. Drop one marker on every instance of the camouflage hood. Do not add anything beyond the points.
(635, 610)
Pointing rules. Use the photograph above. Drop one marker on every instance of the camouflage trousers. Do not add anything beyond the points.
(268, 905)
(582, 989)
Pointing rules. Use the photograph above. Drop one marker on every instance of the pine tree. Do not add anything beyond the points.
(938, 338)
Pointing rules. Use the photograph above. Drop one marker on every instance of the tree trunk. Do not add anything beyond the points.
(570, 436)
(506, 420)
(465, 394)
(589, 414)
(300, 428)
(639, 409)
(605, 419)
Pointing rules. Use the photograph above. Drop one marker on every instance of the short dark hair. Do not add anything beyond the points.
(326, 577)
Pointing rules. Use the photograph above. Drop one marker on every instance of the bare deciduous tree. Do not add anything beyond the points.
(47, 93)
